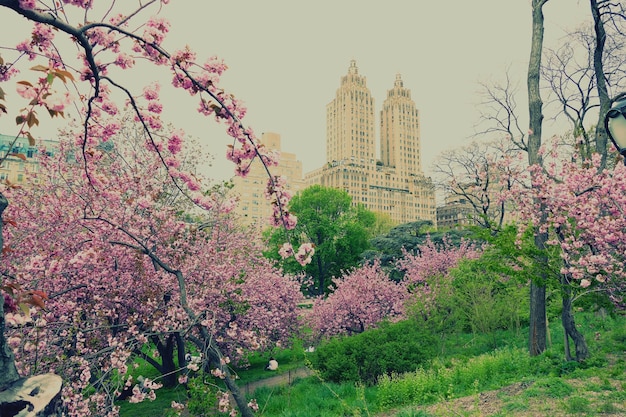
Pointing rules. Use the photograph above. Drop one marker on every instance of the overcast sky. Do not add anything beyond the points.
(286, 58)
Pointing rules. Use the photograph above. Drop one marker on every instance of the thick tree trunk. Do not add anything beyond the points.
(569, 325)
(598, 67)
(180, 350)
(37, 396)
(8, 371)
(537, 333)
(169, 366)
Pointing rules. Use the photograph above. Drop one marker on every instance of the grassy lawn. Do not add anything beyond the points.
(481, 381)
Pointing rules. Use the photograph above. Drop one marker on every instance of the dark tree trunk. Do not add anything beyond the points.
(8, 371)
(538, 325)
(538, 332)
(167, 360)
(603, 95)
(569, 325)
(167, 367)
(180, 349)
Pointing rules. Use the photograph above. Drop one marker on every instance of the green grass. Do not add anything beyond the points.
(467, 366)
(288, 359)
(308, 397)
(156, 408)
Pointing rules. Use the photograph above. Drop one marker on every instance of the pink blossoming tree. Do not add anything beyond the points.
(366, 296)
(112, 250)
(363, 297)
(583, 206)
(124, 272)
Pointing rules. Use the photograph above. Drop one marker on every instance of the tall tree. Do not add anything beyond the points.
(338, 230)
(605, 13)
(538, 325)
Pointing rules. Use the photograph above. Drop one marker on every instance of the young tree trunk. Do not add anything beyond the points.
(569, 325)
(8, 371)
(215, 360)
(538, 326)
(537, 333)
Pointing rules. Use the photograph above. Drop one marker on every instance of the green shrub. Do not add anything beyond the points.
(487, 297)
(392, 348)
(552, 387)
(443, 380)
(577, 405)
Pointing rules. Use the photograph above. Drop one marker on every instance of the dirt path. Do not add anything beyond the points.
(283, 378)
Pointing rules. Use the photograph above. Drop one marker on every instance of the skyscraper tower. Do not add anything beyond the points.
(399, 131)
(350, 121)
(395, 185)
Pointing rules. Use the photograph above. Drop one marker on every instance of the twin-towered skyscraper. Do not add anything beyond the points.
(395, 184)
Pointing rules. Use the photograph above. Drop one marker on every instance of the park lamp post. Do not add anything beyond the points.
(615, 125)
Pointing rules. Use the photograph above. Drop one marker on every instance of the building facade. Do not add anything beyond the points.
(20, 158)
(395, 184)
(456, 213)
(253, 207)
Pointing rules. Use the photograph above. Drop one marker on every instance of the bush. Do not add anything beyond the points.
(392, 348)
(488, 298)
(439, 380)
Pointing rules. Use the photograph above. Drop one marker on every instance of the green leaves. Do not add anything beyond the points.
(339, 231)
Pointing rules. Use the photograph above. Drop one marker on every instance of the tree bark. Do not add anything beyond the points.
(8, 370)
(537, 332)
(538, 325)
(167, 359)
(37, 396)
(603, 94)
(569, 325)
(215, 359)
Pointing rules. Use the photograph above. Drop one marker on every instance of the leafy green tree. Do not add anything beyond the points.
(339, 231)
(384, 223)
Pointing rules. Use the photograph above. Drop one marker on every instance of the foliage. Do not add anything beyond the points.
(338, 230)
(437, 380)
(202, 397)
(584, 213)
(391, 348)
(454, 375)
(426, 276)
(388, 248)
(363, 297)
(124, 271)
(382, 225)
(124, 238)
(490, 292)
(331, 399)
(310, 397)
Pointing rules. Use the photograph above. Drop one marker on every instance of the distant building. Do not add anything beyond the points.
(21, 158)
(253, 207)
(395, 184)
(482, 206)
(455, 213)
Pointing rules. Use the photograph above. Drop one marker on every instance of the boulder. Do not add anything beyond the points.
(35, 396)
